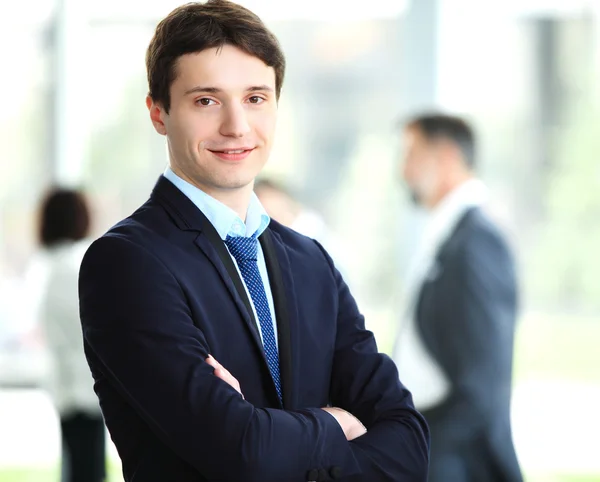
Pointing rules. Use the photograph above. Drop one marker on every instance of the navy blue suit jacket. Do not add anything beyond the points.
(466, 317)
(159, 292)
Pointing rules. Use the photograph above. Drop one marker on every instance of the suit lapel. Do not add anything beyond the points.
(214, 249)
(286, 310)
(425, 313)
(189, 218)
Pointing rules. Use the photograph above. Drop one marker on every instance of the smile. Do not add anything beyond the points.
(233, 155)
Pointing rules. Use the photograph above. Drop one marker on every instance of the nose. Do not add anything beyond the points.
(235, 122)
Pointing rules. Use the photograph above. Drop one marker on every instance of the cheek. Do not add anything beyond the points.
(193, 130)
(430, 177)
(264, 126)
(408, 171)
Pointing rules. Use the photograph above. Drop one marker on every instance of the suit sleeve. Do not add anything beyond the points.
(478, 312)
(138, 328)
(366, 384)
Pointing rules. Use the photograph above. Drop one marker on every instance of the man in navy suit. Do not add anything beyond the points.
(224, 346)
(455, 347)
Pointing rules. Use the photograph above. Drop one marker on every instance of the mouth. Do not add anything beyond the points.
(233, 155)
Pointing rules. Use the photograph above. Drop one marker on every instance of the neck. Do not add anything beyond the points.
(447, 187)
(237, 199)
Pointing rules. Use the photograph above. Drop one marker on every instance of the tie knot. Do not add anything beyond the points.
(242, 248)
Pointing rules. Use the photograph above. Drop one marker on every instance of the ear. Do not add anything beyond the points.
(448, 152)
(157, 115)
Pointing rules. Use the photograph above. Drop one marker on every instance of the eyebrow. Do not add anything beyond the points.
(216, 90)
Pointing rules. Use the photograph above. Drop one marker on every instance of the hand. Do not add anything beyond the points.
(222, 373)
(352, 426)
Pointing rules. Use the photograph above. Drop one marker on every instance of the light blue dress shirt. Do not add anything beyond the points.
(226, 222)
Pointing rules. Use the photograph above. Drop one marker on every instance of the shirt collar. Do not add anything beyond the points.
(444, 217)
(224, 219)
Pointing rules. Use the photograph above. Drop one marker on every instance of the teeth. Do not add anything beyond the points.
(234, 152)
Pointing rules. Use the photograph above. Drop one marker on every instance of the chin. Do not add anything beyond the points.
(234, 183)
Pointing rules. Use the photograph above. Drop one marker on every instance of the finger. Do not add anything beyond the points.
(217, 366)
(212, 362)
(229, 379)
(220, 373)
(226, 376)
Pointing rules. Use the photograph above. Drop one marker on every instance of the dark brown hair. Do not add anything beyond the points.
(64, 216)
(442, 126)
(195, 27)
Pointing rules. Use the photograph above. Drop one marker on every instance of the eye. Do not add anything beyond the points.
(205, 101)
(255, 99)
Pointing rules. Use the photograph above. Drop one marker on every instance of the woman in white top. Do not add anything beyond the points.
(64, 225)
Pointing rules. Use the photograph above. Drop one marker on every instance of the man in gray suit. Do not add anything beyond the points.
(454, 350)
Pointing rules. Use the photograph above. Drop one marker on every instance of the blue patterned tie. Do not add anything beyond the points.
(245, 250)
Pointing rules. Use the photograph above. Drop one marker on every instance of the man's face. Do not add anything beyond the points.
(221, 124)
(421, 167)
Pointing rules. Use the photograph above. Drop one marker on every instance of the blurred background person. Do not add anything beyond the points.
(526, 73)
(285, 208)
(282, 206)
(63, 230)
(455, 347)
